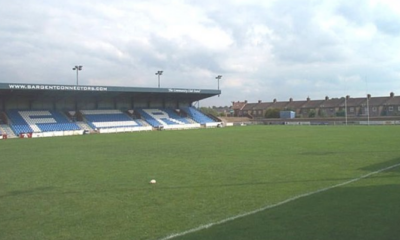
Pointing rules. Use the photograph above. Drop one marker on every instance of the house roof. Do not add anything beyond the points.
(295, 104)
(249, 106)
(332, 103)
(238, 105)
(325, 103)
(377, 101)
(263, 105)
(355, 102)
(393, 101)
(312, 103)
(280, 105)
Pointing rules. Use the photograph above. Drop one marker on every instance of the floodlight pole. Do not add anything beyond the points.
(159, 73)
(77, 68)
(345, 109)
(368, 108)
(368, 96)
(218, 78)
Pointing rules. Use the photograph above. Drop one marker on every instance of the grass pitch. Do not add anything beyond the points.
(97, 187)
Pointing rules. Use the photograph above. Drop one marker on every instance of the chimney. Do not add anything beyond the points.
(291, 100)
(392, 94)
(245, 101)
(308, 99)
(347, 97)
(326, 98)
(368, 96)
(274, 100)
(259, 101)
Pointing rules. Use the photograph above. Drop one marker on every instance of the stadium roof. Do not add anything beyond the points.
(54, 91)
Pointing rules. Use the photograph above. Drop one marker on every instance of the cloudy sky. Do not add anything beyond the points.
(264, 49)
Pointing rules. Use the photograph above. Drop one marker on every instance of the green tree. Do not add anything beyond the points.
(322, 113)
(341, 113)
(312, 113)
(272, 113)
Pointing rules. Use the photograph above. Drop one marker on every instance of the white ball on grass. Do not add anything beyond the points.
(153, 181)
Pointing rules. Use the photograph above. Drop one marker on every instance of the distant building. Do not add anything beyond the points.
(356, 107)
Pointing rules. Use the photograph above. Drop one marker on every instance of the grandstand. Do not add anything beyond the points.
(57, 110)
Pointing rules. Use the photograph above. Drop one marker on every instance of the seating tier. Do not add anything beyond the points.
(39, 121)
(98, 119)
(161, 117)
(197, 116)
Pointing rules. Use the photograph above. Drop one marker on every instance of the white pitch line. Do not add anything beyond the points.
(276, 204)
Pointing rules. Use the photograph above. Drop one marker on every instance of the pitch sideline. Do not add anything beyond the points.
(277, 204)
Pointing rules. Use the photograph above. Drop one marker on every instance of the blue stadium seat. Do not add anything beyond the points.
(30, 121)
(172, 114)
(161, 117)
(197, 116)
(98, 119)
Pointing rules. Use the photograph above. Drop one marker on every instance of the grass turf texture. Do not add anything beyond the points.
(97, 187)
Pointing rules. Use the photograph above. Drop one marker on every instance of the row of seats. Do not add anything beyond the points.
(197, 115)
(18, 129)
(115, 124)
(169, 121)
(58, 127)
(100, 111)
(108, 119)
(39, 121)
(167, 116)
(18, 125)
(161, 117)
(172, 114)
(147, 115)
(44, 121)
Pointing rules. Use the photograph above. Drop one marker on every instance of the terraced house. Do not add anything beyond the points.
(328, 107)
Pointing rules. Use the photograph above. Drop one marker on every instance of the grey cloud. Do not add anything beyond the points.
(381, 16)
(237, 21)
(296, 37)
(300, 38)
(389, 24)
(43, 40)
(356, 12)
(165, 53)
